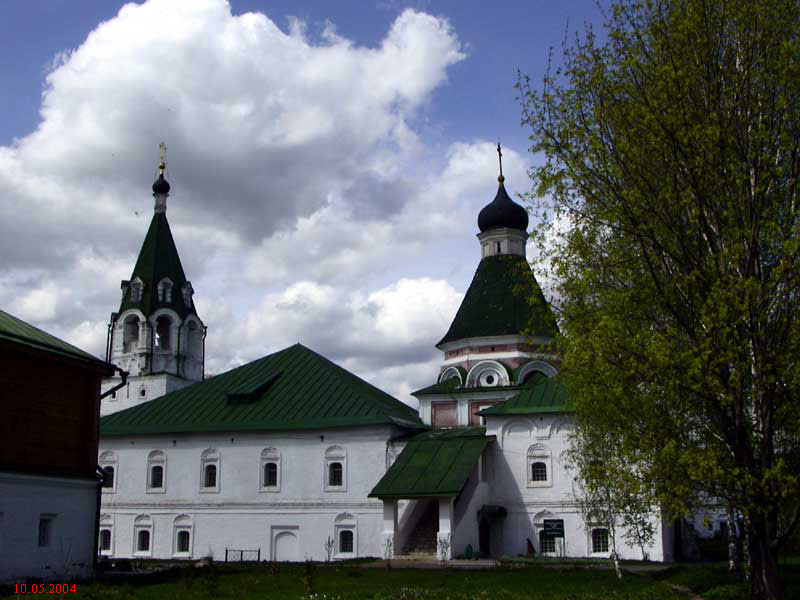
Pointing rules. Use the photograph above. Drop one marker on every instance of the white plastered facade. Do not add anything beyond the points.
(61, 549)
(288, 521)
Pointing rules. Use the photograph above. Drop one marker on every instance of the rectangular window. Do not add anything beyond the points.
(600, 540)
(45, 530)
(546, 543)
(445, 414)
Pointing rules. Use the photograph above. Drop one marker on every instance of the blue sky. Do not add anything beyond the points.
(328, 160)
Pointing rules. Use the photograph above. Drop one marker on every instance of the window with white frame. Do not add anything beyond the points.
(143, 536)
(187, 294)
(156, 472)
(137, 290)
(270, 470)
(335, 469)
(209, 471)
(165, 290)
(345, 536)
(46, 525)
(182, 536)
(108, 463)
(600, 540)
(539, 466)
(105, 540)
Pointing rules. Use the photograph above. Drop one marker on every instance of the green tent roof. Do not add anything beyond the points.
(18, 331)
(434, 463)
(158, 259)
(295, 388)
(546, 395)
(503, 299)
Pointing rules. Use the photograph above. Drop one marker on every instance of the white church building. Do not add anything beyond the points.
(293, 457)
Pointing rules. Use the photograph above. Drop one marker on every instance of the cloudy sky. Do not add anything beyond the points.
(327, 160)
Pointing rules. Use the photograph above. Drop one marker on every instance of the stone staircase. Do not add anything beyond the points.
(421, 543)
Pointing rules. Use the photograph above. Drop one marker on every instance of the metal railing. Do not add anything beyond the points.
(232, 555)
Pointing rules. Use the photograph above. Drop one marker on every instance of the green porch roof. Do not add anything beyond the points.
(18, 331)
(503, 299)
(295, 388)
(546, 395)
(158, 259)
(434, 463)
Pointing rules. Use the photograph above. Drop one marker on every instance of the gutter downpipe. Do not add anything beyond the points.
(203, 366)
(102, 476)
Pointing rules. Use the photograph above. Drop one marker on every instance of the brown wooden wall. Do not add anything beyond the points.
(50, 412)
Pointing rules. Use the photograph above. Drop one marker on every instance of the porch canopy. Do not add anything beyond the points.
(433, 464)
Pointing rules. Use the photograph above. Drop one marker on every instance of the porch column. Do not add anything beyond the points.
(389, 528)
(444, 538)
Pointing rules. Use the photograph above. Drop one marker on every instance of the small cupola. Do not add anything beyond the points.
(161, 186)
(502, 212)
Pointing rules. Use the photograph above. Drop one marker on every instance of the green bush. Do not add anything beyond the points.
(727, 592)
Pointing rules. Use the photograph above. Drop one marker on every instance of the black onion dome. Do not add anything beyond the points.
(502, 212)
(161, 186)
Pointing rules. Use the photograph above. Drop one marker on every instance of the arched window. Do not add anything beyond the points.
(335, 469)
(270, 474)
(183, 541)
(600, 540)
(108, 462)
(345, 541)
(182, 536)
(143, 541)
(209, 474)
(157, 477)
(156, 471)
(137, 290)
(142, 535)
(270, 470)
(108, 477)
(335, 474)
(165, 290)
(130, 333)
(539, 466)
(187, 294)
(210, 477)
(105, 540)
(163, 333)
(345, 529)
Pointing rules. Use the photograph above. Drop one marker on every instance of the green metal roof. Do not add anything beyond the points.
(546, 395)
(295, 388)
(503, 299)
(434, 463)
(158, 259)
(18, 331)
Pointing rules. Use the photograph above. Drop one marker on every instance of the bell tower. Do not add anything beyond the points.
(156, 335)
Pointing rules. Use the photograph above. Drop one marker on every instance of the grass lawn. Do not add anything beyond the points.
(351, 581)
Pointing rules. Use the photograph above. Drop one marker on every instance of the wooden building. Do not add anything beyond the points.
(49, 484)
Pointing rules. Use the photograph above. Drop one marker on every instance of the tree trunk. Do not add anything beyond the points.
(764, 581)
(733, 554)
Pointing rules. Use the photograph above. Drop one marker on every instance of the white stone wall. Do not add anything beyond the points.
(241, 514)
(138, 390)
(69, 550)
(521, 440)
(503, 240)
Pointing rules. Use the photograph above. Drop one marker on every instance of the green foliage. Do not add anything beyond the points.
(671, 220)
